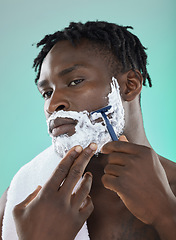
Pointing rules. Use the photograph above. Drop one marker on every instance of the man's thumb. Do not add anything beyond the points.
(123, 138)
(30, 197)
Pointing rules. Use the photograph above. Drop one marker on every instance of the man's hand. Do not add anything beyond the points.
(53, 212)
(135, 173)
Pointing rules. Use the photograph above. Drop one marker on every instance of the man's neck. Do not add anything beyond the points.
(134, 127)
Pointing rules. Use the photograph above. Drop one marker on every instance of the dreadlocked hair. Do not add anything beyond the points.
(121, 43)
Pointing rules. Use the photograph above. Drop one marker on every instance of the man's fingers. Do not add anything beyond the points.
(86, 208)
(118, 158)
(30, 197)
(82, 192)
(62, 169)
(23, 204)
(120, 146)
(109, 181)
(114, 170)
(123, 138)
(77, 169)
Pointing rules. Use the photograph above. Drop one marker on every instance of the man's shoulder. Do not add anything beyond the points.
(170, 169)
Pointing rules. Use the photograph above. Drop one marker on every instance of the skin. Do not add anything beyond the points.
(67, 208)
(137, 182)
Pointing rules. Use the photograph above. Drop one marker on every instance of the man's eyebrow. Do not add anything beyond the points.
(70, 69)
(44, 83)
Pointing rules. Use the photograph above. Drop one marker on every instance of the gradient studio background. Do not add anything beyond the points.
(23, 131)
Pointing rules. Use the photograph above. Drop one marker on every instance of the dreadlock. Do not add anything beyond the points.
(121, 43)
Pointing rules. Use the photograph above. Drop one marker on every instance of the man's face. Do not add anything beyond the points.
(73, 79)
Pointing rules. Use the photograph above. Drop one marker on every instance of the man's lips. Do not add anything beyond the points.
(61, 126)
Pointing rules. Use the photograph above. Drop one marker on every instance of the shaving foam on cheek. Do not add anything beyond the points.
(87, 130)
(116, 112)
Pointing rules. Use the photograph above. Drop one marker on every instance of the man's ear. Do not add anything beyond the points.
(132, 85)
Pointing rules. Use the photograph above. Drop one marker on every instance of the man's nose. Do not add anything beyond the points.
(57, 102)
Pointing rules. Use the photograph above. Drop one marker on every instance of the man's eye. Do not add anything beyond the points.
(75, 82)
(47, 95)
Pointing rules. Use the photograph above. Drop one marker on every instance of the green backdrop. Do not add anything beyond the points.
(23, 131)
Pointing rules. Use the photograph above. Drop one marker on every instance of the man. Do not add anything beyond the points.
(81, 69)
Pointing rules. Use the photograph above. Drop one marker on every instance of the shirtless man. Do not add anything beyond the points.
(132, 193)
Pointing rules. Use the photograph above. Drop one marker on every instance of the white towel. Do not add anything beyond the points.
(34, 173)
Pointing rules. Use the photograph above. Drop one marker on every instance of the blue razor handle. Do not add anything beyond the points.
(109, 127)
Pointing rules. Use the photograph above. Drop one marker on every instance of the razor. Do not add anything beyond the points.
(108, 125)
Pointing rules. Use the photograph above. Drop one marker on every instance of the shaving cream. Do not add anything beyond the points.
(87, 130)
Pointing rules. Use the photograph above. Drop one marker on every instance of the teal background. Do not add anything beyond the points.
(23, 131)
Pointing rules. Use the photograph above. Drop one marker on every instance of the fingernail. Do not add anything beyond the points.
(78, 149)
(93, 146)
(88, 175)
(123, 138)
(38, 188)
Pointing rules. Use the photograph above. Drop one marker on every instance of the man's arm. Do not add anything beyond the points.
(135, 173)
(54, 211)
(3, 200)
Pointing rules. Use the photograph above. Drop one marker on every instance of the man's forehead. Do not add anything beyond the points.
(65, 44)
(41, 83)
(65, 50)
(64, 58)
(64, 53)
(83, 46)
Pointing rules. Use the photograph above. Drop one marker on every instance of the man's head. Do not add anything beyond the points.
(120, 48)
(75, 70)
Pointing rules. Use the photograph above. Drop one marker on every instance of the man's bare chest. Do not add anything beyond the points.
(119, 225)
